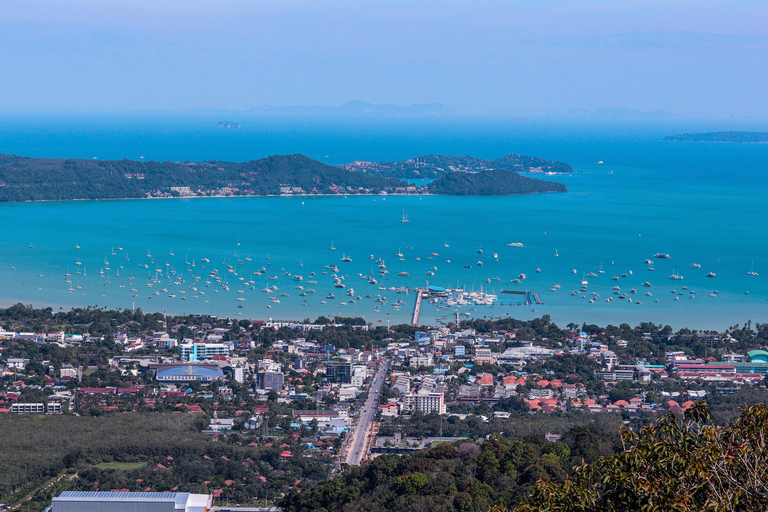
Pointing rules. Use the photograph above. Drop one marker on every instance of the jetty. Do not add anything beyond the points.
(530, 297)
(417, 307)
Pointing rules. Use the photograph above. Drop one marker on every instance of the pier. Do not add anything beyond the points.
(417, 308)
(530, 297)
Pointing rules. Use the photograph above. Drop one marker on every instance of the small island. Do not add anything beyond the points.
(739, 137)
(434, 166)
(493, 182)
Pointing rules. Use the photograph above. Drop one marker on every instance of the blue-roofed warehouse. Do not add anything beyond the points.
(188, 373)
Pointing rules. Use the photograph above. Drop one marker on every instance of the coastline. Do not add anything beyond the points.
(219, 196)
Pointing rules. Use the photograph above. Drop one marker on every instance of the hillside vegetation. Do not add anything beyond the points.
(34, 179)
(492, 182)
(462, 477)
(139, 451)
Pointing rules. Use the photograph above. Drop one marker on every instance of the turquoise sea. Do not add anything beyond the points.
(699, 202)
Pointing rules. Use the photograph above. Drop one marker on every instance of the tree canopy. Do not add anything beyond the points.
(679, 464)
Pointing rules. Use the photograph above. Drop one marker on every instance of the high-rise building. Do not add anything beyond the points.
(425, 403)
(339, 372)
(269, 380)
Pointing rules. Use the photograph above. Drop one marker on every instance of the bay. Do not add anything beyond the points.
(701, 203)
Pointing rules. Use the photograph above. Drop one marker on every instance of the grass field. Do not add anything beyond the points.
(121, 465)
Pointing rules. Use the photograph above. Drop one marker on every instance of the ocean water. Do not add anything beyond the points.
(701, 203)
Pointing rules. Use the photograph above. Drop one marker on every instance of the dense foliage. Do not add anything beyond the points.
(677, 465)
(493, 182)
(450, 477)
(31, 179)
(122, 451)
(720, 137)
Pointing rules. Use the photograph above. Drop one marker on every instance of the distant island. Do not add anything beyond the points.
(434, 166)
(52, 179)
(355, 108)
(741, 137)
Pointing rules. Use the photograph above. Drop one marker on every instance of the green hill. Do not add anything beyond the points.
(492, 182)
(34, 179)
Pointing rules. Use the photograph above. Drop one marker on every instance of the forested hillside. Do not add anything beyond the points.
(491, 183)
(140, 451)
(463, 477)
(34, 179)
(678, 464)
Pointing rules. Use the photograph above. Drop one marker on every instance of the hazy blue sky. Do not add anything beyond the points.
(695, 58)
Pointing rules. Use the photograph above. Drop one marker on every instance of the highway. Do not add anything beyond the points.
(357, 449)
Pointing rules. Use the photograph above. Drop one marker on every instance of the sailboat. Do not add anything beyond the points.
(752, 272)
(555, 252)
(332, 247)
(446, 243)
(405, 217)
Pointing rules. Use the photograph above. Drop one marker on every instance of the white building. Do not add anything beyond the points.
(425, 403)
(16, 363)
(68, 371)
(200, 351)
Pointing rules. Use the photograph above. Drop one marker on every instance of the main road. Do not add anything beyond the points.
(357, 447)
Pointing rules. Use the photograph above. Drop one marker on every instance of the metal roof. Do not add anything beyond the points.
(175, 497)
(189, 370)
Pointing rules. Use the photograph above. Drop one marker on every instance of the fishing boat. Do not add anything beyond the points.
(675, 277)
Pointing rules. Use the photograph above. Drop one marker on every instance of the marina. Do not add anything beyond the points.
(228, 277)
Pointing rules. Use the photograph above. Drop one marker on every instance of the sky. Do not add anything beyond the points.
(693, 58)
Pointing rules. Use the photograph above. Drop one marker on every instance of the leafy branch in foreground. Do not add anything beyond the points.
(676, 465)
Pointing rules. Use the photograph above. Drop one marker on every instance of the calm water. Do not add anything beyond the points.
(701, 203)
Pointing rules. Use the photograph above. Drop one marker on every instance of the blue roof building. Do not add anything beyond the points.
(189, 372)
(758, 356)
